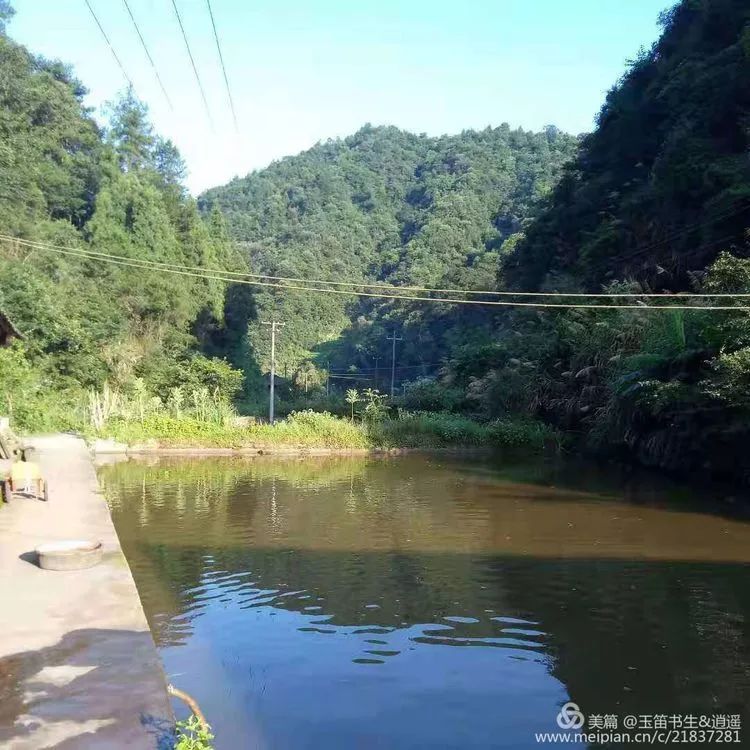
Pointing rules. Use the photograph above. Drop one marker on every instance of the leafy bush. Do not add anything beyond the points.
(524, 434)
(427, 394)
(375, 405)
(313, 430)
(193, 735)
(29, 398)
(195, 373)
(168, 430)
(442, 429)
(306, 429)
(731, 377)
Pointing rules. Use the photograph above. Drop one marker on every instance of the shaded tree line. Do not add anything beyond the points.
(117, 189)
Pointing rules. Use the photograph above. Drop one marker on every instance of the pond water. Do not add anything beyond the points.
(411, 602)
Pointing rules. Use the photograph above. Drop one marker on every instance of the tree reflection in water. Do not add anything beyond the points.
(314, 598)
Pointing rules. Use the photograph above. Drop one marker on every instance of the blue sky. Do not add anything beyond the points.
(306, 70)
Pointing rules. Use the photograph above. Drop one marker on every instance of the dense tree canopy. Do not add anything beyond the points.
(649, 201)
(663, 183)
(656, 198)
(66, 181)
(388, 206)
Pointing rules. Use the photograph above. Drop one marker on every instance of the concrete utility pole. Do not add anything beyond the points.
(274, 324)
(394, 339)
(328, 378)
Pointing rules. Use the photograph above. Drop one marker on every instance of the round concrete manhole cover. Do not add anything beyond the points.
(69, 555)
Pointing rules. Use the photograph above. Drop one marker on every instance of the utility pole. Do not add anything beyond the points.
(274, 324)
(377, 359)
(328, 378)
(394, 339)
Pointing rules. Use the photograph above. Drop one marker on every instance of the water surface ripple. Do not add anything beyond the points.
(420, 602)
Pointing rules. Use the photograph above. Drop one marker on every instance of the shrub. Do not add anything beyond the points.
(312, 429)
(192, 374)
(29, 398)
(169, 430)
(429, 430)
(524, 434)
(427, 394)
(193, 735)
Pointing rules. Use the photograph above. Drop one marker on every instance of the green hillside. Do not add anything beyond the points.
(388, 206)
(655, 200)
(662, 185)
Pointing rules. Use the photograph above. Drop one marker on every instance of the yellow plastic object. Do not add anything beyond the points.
(24, 472)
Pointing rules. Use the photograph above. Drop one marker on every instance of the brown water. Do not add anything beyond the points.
(418, 602)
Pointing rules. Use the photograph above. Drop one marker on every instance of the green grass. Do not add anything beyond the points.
(308, 429)
(299, 430)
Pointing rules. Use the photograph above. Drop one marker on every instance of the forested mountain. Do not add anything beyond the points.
(382, 205)
(388, 206)
(655, 199)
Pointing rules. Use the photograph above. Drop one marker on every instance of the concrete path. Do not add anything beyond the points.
(78, 666)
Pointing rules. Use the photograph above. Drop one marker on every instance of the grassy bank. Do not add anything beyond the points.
(307, 429)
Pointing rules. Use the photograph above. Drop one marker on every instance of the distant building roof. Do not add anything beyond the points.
(8, 331)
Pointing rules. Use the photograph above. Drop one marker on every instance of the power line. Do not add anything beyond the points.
(192, 62)
(603, 295)
(348, 377)
(223, 67)
(148, 54)
(506, 293)
(363, 285)
(219, 276)
(109, 44)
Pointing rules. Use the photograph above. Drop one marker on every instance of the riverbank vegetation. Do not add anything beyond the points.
(310, 430)
(658, 197)
(655, 200)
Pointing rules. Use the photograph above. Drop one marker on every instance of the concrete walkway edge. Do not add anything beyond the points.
(78, 664)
